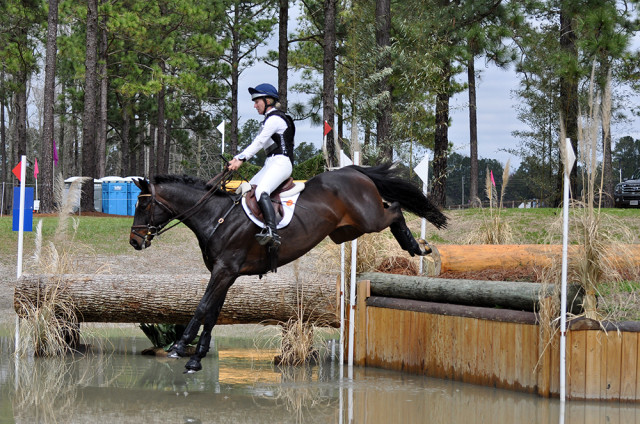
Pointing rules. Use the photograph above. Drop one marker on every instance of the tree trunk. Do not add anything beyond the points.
(160, 135)
(3, 132)
(89, 158)
(174, 298)
(478, 257)
(522, 296)
(46, 149)
(101, 134)
(20, 138)
(235, 76)
(125, 162)
(473, 132)
(607, 170)
(283, 51)
(328, 77)
(569, 93)
(441, 142)
(383, 40)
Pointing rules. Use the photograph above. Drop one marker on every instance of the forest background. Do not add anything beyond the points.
(130, 87)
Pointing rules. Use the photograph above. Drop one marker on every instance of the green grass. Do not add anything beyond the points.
(108, 235)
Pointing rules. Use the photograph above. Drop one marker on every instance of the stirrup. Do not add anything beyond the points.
(268, 238)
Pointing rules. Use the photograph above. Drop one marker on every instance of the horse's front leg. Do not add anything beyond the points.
(178, 350)
(206, 313)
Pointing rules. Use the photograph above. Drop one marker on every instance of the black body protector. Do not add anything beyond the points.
(282, 143)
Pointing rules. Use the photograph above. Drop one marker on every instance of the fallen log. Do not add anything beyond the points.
(477, 257)
(520, 296)
(174, 298)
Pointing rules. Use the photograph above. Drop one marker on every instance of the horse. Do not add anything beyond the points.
(342, 204)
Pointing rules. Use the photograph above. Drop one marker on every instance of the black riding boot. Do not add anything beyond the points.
(268, 236)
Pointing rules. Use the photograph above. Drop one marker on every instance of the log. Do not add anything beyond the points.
(477, 257)
(520, 296)
(174, 298)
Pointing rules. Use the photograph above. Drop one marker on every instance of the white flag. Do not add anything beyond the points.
(221, 127)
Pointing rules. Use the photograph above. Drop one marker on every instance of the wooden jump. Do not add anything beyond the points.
(495, 347)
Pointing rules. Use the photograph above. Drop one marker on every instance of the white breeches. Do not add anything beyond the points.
(275, 171)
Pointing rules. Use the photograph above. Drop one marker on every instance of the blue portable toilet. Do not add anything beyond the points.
(132, 195)
(114, 195)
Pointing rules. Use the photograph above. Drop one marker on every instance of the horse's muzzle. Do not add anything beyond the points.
(139, 242)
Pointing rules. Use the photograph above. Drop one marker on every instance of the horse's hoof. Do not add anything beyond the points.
(192, 366)
(425, 249)
(175, 352)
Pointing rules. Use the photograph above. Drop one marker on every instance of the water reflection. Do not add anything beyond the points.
(114, 383)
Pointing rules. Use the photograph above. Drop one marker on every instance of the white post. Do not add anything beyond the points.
(23, 168)
(422, 169)
(23, 172)
(423, 231)
(569, 159)
(352, 295)
(220, 128)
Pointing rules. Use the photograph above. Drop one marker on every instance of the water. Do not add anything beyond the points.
(239, 384)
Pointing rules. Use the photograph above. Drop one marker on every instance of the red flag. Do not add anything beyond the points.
(17, 171)
(492, 180)
(35, 170)
(55, 153)
(327, 128)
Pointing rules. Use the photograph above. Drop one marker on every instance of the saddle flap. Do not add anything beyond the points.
(252, 202)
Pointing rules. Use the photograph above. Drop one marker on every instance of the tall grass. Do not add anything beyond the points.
(49, 325)
(598, 259)
(494, 228)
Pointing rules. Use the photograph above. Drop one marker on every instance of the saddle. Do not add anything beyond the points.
(252, 202)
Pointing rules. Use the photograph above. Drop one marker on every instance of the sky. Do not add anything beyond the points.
(496, 103)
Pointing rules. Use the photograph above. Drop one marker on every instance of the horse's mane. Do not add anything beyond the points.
(189, 180)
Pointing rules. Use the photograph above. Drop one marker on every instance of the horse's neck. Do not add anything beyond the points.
(185, 201)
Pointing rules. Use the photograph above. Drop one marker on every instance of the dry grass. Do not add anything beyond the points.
(49, 325)
(598, 256)
(494, 229)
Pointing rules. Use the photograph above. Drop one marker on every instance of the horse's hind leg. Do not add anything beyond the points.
(403, 235)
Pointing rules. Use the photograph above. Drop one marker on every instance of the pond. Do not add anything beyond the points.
(114, 383)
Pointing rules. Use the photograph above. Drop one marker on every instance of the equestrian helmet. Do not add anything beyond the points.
(263, 90)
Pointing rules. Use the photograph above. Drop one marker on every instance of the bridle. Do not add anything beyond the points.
(152, 231)
(155, 230)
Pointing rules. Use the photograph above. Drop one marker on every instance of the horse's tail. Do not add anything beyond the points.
(395, 189)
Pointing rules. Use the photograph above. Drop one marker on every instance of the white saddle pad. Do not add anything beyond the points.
(288, 198)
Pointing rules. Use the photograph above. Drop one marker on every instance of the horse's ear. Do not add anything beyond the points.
(142, 184)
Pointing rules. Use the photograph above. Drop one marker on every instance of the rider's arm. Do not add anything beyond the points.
(273, 125)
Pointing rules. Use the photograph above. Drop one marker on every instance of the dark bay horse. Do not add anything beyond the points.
(341, 204)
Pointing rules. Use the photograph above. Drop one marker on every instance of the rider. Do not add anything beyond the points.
(276, 138)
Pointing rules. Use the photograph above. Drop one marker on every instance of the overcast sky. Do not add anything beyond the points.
(496, 103)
